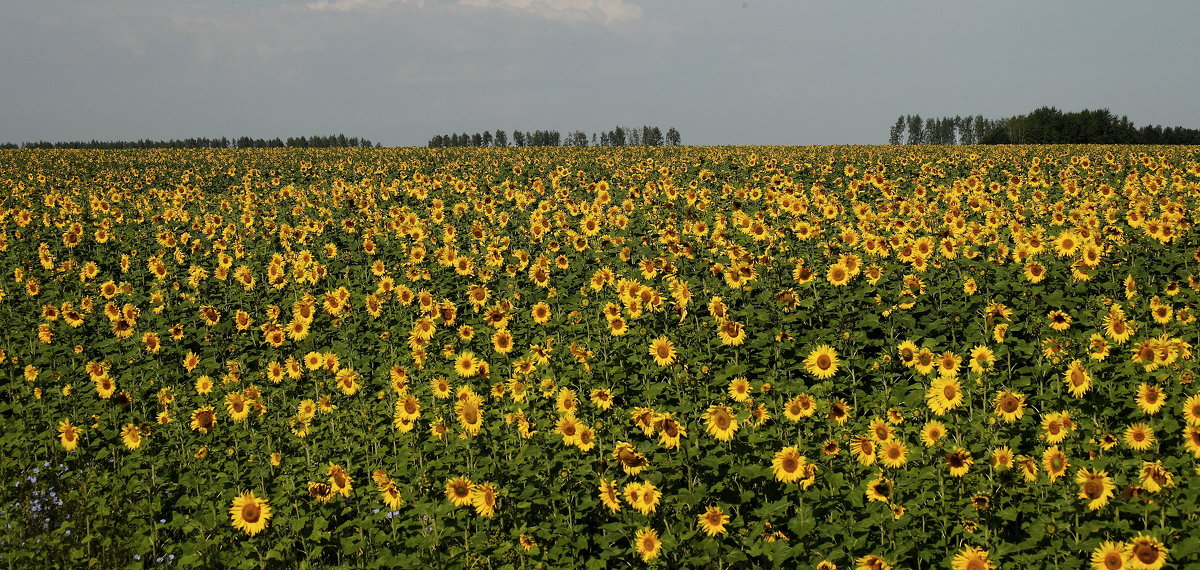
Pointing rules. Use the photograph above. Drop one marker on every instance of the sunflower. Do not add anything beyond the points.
(933, 432)
(894, 454)
(669, 430)
(1150, 398)
(1155, 477)
(647, 544)
(880, 489)
(1077, 378)
(465, 364)
(1116, 326)
(390, 495)
(982, 359)
(731, 333)
(720, 422)
(948, 364)
(839, 411)
(924, 362)
(1191, 440)
(458, 491)
(644, 498)
(249, 514)
(880, 430)
(944, 394)
(1146, 553)
(1139, 436)
(788, 465)
(1055, 462)
(1097, 347)
(822, 362)
(971, 558)
(1095, 487)
(959, 462)
(204, 419)
(838, 275)
(1109, 556)
(864, 449)
(469, 411)
(663, 351)
(1002, 458)
(483, 498)
(602, 398)
(609, 495)
(131, 435)
(1010, 405)
(872, 562)
(1059, 320)
(541, 313)
(237, 407)
(632, 460)
(800, 407)
(739, 389)
(440, 387)
(68, 435)
(712, 522)
(568, 427)
(340, 480)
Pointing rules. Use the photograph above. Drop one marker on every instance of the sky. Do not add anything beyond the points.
(398, 72)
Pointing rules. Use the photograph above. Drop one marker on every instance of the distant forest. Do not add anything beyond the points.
(318, 141)
(619, 136)
(1046, 125)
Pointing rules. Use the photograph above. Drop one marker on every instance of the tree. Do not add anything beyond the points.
(896, 133)
(518, 138)
(501, 139)
(916, 129)
(672, 137)
(487, 138)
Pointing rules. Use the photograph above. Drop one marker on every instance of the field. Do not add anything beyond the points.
(915, 357)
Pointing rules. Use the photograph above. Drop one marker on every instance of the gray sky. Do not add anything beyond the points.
(722, 72)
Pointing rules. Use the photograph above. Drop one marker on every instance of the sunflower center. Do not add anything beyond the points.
(789, 464)
(1114, 560)
(1093, 489)
(823, 362)
(950, 392)
(250, 513)
(723, 422)
(1008, 405)
(1146, 554)
(664, 352)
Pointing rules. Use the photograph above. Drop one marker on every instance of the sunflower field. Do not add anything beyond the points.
(831, 357)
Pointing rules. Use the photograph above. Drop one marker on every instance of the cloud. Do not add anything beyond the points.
(605, 11)
(357, 5)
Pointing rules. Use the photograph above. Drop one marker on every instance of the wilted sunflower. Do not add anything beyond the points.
(822, 362)
(632, 460)
(249, 514)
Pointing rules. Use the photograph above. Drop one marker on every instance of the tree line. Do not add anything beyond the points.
(1046, 125)
(317, 141)
(618, 136)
